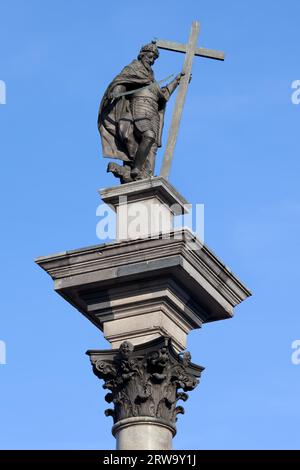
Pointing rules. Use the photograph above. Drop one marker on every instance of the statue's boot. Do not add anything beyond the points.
(141, 156)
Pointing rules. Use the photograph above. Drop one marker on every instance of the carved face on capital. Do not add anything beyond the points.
(186, 358)
(126, 349)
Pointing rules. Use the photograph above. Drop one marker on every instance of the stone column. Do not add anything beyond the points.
(143, 433)
(145, 384)
(146, 286)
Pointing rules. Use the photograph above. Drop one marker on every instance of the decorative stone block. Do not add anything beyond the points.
(145, 381)
(144, 208)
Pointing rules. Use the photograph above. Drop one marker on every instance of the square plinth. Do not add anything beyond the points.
(144, 208)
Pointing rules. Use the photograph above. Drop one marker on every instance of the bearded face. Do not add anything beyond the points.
(148, 58)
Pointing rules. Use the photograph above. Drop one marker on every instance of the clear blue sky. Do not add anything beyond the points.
(238, 153)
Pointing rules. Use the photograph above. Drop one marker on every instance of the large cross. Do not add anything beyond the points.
(190, 51)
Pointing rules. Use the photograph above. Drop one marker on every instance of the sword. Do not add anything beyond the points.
(118, 95)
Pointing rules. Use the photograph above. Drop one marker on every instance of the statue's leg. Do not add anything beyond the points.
(127, 138)
(150, 162)
(148, 139)
(131, 147)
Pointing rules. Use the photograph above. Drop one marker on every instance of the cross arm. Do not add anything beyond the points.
(199, 51)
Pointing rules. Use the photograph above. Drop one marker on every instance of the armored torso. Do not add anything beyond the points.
(144, 107)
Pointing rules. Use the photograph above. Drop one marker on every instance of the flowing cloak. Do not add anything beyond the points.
(111, 111)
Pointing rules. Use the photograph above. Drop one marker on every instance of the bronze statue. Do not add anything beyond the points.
(131, 117)
(131, 112)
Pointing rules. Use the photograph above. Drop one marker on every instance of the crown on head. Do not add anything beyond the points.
(151, 47)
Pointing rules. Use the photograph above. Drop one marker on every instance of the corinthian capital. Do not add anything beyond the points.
(146, 381)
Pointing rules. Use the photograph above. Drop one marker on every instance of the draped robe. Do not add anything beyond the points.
(112, 111)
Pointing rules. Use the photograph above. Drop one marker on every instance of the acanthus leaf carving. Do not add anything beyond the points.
(146, 381)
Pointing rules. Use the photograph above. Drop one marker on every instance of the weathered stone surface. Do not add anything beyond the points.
(144, 208)
(140, 289)
(143, 433)
(91, 276)
(142, 190)
(146, 380)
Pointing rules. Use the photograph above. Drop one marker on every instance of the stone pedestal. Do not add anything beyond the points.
(140, 290)
(150, 288)
(144, 208)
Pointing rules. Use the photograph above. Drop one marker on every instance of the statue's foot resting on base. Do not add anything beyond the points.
(122, 172)
(126, 173)
(137, 174)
